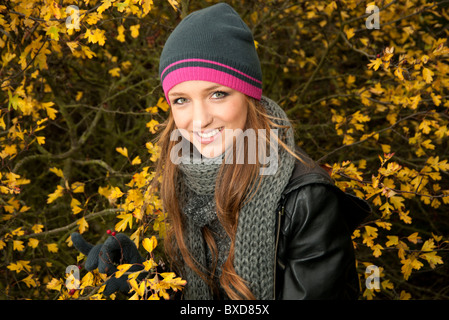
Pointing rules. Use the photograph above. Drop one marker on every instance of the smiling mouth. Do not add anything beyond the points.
(209, 136)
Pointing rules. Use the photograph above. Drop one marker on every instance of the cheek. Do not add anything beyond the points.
(182, 123)
(236, 115)
(181, 120)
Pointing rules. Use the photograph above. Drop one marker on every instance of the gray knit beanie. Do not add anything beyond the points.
(215, 45)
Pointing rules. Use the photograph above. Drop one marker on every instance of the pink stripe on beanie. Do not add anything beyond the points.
(212, 44)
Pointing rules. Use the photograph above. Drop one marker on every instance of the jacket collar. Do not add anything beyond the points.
(306, 172)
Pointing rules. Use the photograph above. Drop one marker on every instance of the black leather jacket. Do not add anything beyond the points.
(314, 251)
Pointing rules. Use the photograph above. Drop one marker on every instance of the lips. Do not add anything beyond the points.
(208, 136)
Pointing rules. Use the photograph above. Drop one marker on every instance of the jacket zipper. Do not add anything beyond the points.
(280, 214)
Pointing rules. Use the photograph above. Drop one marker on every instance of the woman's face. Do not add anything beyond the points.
(203, 110)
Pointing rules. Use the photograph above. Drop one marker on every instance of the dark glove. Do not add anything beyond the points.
(118, 249)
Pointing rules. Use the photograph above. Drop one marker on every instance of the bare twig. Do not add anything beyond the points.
(73, 224)
(374, 133)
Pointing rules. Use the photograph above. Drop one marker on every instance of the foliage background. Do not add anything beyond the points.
(79, 108)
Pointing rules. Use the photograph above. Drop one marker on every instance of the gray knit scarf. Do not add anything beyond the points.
(255, 237)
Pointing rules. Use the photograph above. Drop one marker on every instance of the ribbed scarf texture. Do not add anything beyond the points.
(255, 237)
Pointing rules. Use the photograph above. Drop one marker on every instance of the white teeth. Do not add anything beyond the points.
(209, 134)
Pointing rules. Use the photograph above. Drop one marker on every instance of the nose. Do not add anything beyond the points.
(202, 117)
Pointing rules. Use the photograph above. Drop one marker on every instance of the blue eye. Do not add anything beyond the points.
(219, 95)
(179, 101)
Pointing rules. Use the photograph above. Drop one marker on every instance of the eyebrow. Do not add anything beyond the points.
(180, 94)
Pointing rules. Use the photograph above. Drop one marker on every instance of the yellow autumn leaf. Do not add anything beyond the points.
(96, 36)
(151, 125)
(72, 45)
(121, 6)
(79, 95)
(87, 52)
(384, 225)
(126, 65)
(19, 265)
(138, 288)
(399, 72)
(115, 193)
(436, 99)
(105, 5)
(39, 124)
(432, 259)
(52, 247)
(427, 75)
(51, 112)
(9, 150)
(174, 4)
(397, 202)
(29, 281)
(429, 245)
(37, 228)
(57, 171)
(121, 269)
(122, 151)
(146, 6)
(154, 296)
(386, 148)
(2, 123)
(83, 225)
(392, 241)
(371, 231)
(149, 244)
(87, 280)
(135, 30)
(409, 264)
(151, 109)
(437, 238)
(377, 250)
(386, 284)
(174, 283)
(53, 32)
(414, 237)
(40, 140)
(105, 191)
(121, 33)
(377, 89)
(388, 54)
(55, 284)
(424, 126)
(349, 33)
(126, 219)
(77, 187)
(375, 64)
(33, 243)
(415, 101)
(18, 232)
(405, 295)
(76, 209)
(75, 205)
(136, 161)
(405, 217)
(149, 264)
(428, 144)
(55, 195)
(115, 72)
(162, 104)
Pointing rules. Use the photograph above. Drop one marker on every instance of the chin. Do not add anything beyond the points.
(208, 152)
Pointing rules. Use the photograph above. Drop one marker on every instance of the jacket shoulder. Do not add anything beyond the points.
(309, 173)
(306, 172)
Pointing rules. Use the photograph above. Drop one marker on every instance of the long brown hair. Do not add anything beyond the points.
(234, 187)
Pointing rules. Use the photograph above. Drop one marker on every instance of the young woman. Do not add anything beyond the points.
(251, 216)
